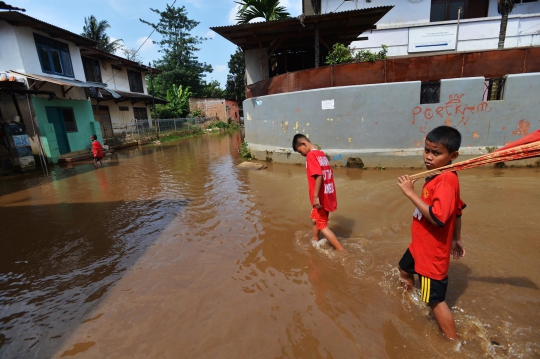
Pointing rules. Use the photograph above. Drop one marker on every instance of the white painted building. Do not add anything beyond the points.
(430, 26)
(64, 90)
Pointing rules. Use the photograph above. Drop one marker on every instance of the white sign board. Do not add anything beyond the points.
(327, 104)
(432, 38)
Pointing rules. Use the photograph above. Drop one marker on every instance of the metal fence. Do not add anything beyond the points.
(141, 129)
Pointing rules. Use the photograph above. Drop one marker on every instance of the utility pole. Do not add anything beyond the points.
(457, 28)
(153, 99)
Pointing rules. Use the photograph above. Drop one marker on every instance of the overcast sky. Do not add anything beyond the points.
(123, 16)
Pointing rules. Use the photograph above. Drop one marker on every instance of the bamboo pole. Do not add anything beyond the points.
(510, 154)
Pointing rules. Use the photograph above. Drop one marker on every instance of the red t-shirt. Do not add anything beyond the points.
(97, 149)
(431, 244)
(317, 164)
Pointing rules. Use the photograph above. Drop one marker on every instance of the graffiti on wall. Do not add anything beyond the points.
(451, 109)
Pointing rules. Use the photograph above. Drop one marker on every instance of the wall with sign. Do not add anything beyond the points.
(385, 124)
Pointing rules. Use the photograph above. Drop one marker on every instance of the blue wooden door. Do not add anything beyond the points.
(54, 115)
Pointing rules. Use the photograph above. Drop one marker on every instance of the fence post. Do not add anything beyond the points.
(137, 126)
(174, 124)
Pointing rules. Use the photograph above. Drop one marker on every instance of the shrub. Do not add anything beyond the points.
(341, 54)
(244, 151)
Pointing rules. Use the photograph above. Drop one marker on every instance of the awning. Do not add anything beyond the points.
(123, 96)
(66, 82)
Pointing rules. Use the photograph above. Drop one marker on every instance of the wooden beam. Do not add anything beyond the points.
(324, 43)
(271, 52)
(260, 60)
(64, 92)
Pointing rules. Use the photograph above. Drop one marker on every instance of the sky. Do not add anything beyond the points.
(124, 15)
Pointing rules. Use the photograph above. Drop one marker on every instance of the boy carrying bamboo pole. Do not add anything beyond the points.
(436, 226)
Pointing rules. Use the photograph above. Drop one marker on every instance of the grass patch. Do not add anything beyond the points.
(224, 125)
(180, 134)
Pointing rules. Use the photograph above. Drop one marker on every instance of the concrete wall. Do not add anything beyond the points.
(384, 124)
(474, 35)
(78, 141)
(10, 56)
(253, 65)
(118, 80)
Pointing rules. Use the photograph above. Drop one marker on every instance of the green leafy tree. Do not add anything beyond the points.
(504, 7)
(254, 9)
(236, 88)
(179, 63)
(96, 30)
(213, 90)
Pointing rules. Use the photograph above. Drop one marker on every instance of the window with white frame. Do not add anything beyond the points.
(54, 56)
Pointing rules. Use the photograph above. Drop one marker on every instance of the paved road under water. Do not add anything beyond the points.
(172, 252)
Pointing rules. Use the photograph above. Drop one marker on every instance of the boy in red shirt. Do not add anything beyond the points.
(97, 150)
(436, 227)
(322, 190)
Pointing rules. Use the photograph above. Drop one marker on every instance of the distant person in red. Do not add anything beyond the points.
(322, 190)
(97, 150)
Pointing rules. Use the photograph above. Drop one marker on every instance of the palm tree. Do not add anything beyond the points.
(504, 7)
(254, 9)
(96, 31)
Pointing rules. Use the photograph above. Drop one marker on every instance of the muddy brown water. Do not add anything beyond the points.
(172, 252)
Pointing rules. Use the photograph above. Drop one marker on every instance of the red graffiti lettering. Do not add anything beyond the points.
(470, 108)
(447, 107)
(415, 112)
(428, 114)
(483, 107)
(454, 99)
(458, 110)
(463, 121)
(439, 110)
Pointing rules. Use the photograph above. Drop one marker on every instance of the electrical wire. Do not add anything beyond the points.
(339, 6)
(144, 42)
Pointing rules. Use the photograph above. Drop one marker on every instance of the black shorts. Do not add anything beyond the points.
(97, 158)
(432, 291)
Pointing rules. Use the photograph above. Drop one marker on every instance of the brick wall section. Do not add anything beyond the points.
(211, 107)
(232, 109)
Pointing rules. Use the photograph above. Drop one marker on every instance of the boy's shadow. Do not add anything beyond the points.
(460, 275)
(342, 226)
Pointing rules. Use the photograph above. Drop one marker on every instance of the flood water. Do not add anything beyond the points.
(172, 252)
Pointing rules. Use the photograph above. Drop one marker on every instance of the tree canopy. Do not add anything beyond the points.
(254, 9)
(96, 30)
(236, 88)
(179, 63)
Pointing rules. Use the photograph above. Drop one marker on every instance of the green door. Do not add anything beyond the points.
(54, 115)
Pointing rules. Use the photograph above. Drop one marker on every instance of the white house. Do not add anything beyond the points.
(64, 89)
(430, 26)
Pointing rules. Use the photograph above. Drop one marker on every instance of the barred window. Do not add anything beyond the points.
(494, 89)
(430, 92)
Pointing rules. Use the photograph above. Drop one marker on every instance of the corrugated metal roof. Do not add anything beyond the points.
(4, 6)
(307, 18)
(334, 27)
